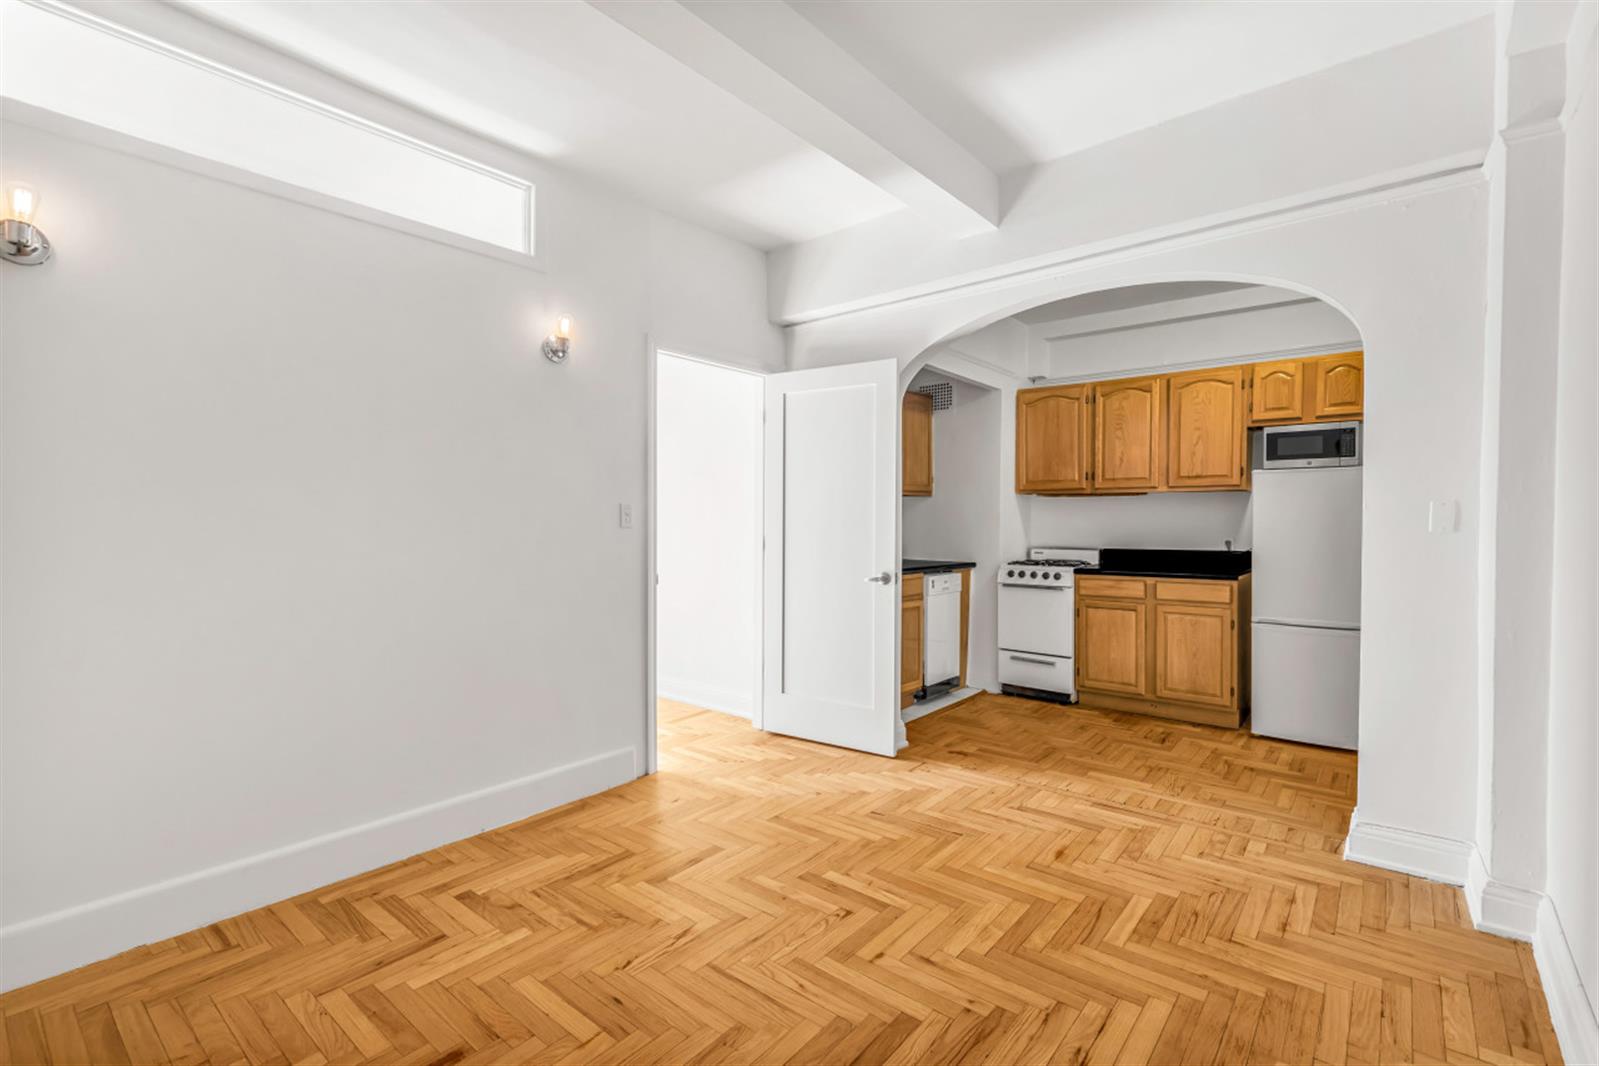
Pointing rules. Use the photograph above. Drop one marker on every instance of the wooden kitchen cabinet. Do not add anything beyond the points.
(1165, 647)
(910, 635)
(1112, 645)
(1277, 392)
(1054, 440)
(1338, 387)
(1128, 434)
(916, 428)
(1205, 431)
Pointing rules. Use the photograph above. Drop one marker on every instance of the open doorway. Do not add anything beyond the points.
(707, 534)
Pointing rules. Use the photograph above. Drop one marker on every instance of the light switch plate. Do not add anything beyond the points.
(1443, 516)
(624, 515)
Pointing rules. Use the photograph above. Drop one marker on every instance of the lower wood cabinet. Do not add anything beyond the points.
(1166, 647)
(910, 636)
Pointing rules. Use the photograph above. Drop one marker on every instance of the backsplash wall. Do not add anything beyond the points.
(1157, 520)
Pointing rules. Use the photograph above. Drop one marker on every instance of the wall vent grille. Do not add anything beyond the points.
(942, 392)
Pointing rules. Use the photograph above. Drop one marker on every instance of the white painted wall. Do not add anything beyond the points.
(311, 560)
(961, 519)
(1156, 520)
(1573, 786)
(708, 530)
(1407, 267)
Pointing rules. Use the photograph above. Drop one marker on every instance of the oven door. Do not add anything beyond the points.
(1036, 619)
(1298, 447)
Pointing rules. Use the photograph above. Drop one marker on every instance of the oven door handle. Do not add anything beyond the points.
(1035, 662)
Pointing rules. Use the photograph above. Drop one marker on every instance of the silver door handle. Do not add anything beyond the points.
(885, 578)
(1035, 662)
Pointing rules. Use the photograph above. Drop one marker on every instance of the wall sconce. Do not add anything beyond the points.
(22, 241)
(557, 344)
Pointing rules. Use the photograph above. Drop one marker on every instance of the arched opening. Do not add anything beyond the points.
(1154, 426)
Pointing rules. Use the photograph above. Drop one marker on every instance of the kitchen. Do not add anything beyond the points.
(1178, 531)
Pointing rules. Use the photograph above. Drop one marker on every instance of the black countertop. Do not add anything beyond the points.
(1171, 562)
(932, 566)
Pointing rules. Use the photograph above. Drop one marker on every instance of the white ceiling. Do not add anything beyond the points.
(1021, 81)
(692, 106)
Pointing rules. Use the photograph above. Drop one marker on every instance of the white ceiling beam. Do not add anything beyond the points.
(770, 57)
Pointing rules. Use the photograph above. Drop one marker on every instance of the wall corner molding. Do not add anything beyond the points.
(1571, 1006)
(1509, 911)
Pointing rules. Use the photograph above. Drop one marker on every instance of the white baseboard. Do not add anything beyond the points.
(1498, 908)
(1505, 910)
(1409, 852)
(711, 697)
(1571, 1006)
(53, 943)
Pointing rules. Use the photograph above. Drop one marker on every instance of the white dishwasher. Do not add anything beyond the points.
(941, 629)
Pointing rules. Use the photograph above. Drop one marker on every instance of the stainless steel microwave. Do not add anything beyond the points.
(1311, 445)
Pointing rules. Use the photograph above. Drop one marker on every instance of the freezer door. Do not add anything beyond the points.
(1306, 685)
(1307, 546)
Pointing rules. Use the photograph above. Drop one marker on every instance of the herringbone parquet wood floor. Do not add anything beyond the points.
(1026, 883)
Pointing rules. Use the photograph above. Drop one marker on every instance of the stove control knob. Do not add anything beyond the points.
(1056, 575)
(1010, 573)
(1033, 574)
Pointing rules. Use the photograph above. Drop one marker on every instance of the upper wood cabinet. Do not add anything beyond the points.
(1127, 435)
(1185, 432)
(916, 426)
(1326, 388)
(1277, 392)
(1205, 434)
(1338, 387)
(1054, 439)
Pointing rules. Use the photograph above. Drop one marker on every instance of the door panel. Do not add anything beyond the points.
(1127, 435)
(1277, 393)
(917, 426)
(1111, 646)
(1339, 386)
(1193, 653)
(829, 629)
(1205, 432)
(1053, 439)
(911, 620)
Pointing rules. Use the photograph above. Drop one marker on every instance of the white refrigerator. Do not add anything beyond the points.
(1305, 682)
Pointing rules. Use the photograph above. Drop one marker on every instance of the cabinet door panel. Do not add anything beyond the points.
(910, 626)
(1111, 644)
(1053, 439)
(1193, 654)
(1277, 392)
(916, 425)
(1128, 429)
(1205, 429)
(1339, 386)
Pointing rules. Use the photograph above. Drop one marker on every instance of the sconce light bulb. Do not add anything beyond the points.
(23, 201)
(563, 327)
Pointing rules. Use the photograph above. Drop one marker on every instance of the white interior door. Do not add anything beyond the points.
(831, 604)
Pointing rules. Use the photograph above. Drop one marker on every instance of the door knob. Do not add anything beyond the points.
(885, 578)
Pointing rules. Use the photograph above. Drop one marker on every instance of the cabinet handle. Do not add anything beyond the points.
(885, 578)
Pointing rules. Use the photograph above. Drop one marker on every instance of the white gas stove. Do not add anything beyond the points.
(1037, 614)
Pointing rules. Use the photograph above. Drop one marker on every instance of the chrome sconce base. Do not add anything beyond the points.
(556, 348)
(23, 243)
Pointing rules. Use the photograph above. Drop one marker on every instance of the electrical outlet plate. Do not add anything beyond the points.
(624, 515)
